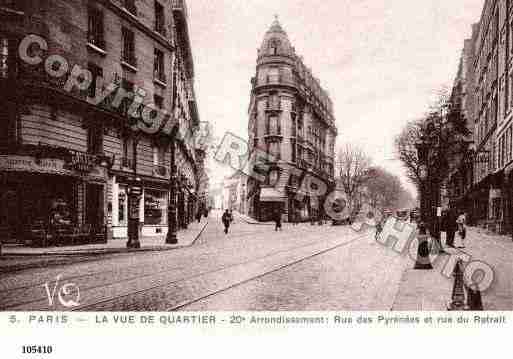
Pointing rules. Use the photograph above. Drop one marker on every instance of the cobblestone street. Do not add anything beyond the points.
(303, 267)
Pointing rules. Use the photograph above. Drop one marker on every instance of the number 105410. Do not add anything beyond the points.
(36, 349)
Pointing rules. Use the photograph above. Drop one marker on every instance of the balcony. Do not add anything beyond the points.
(273, 80)
(272, 135)
(129, 5)
(160, 171)
(128, 163)
(273, 107)
(12, 7)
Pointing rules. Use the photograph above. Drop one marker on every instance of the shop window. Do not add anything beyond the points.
(122, 207)
(95, 31)
(496, 208)
(155, 207)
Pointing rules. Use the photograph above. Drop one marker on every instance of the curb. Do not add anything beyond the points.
(79, 256)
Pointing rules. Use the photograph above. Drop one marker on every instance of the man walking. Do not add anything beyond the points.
(226, 221)
(450, 227)
(277, 220)
(462, 231)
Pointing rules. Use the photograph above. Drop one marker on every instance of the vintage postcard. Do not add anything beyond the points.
(253, 164)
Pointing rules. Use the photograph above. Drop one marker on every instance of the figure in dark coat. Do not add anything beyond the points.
(450, 227)
(277, 220)
(227, 219)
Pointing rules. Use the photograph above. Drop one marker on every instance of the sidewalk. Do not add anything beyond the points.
(250, 220)
(431, 289)
(18, 257)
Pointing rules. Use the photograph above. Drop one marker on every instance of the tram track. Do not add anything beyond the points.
(190, 301)
(160, 276)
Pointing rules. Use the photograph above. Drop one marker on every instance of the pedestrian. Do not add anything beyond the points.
(226, 218)
(277, 220)
(462, 231)
(450, 227)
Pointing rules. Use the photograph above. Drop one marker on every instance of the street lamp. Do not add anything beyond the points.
(422, 153)
(134, 227)
(171, 237)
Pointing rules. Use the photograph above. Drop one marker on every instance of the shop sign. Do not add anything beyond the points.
(45, 166)
(82, 162)
(30, 164)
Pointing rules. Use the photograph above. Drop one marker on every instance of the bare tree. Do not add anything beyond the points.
(353, 167)
(406, 150)
(383, 189)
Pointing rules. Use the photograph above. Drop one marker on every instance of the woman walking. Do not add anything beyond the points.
(462, 231)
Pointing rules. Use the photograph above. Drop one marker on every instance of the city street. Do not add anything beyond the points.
(303, 267)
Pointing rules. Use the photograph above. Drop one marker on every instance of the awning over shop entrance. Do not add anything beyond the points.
(271, 195)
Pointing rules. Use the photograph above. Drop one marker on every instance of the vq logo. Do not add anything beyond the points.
(63, 293)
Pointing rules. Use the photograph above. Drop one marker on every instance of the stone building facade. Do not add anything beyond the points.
(291, 119)
(487, 102)
(72, 137)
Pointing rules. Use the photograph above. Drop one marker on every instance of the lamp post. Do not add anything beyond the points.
(171, 237)
(422, 153)
(134, 197)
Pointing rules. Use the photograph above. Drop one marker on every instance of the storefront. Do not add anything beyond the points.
(153, 207)
(46, 195)
(271, 202)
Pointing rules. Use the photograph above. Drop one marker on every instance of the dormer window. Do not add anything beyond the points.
(275, 44)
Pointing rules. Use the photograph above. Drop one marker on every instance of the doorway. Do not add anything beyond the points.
(94, 205)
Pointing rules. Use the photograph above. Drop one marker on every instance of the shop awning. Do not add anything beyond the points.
(271, 195)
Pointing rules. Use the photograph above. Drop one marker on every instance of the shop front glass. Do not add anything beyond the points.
(122, 206)
(155, 207)
(36, 202)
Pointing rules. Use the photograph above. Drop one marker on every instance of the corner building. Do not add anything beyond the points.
(58, 151)
(291, 120)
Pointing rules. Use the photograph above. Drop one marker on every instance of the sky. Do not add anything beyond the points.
(382, 61)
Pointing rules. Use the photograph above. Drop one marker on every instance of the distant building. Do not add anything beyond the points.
(235, 196)
(291, 119)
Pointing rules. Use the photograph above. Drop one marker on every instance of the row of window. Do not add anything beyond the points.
(96, 37)
(504, 148)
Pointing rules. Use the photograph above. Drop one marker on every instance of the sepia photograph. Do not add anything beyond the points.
(203, 156)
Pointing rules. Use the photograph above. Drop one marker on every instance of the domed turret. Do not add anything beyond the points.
(276, 41)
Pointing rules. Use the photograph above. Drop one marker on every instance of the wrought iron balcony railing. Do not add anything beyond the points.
(160, 171)
(128, 163)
